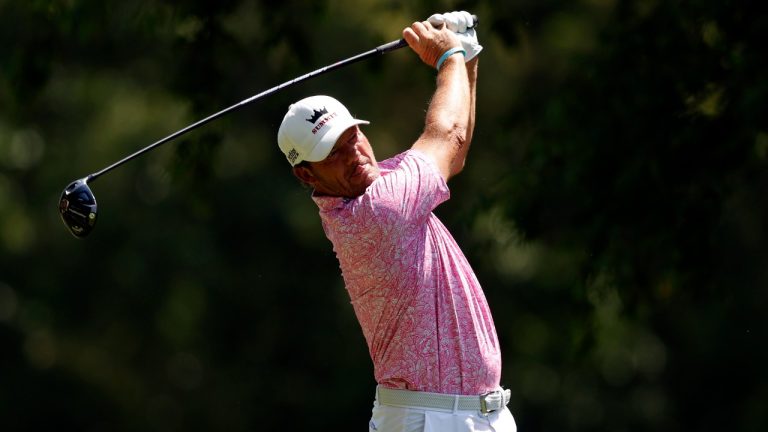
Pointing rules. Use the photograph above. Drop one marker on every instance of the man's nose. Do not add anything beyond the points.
(352, 150)
(352, 154)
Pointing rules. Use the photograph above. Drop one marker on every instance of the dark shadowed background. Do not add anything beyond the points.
(613, 206)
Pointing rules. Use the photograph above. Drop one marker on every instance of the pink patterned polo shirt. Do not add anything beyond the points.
(420, 306)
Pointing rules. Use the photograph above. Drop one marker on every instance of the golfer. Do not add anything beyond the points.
(425, 318)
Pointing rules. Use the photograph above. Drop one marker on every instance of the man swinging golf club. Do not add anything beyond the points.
(425, 318)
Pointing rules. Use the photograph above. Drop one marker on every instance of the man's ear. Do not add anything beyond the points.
(303, 173)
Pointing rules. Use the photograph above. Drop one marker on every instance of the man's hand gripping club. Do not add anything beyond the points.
(429, 42)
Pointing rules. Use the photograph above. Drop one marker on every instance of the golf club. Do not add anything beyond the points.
(77, 205)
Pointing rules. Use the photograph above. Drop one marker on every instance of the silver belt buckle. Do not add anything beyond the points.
(484, 401)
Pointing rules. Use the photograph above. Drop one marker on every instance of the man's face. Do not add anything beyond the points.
(348, 169)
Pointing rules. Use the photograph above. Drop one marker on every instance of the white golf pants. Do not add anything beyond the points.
(395, 419)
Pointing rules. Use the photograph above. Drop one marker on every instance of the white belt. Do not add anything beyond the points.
(485, 403)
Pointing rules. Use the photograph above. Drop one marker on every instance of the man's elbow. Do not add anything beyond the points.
(450, 144)
(458, 137)
(459, 143)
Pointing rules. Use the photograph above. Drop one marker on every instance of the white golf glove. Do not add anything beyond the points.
(460, 23)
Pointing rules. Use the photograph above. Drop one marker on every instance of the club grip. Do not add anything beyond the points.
(475, 21)
(397, 44)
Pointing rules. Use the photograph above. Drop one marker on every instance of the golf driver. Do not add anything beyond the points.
(77, 205)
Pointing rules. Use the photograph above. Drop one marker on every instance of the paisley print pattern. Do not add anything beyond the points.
(422, 311)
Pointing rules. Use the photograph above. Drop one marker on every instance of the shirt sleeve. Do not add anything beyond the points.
(412, 189)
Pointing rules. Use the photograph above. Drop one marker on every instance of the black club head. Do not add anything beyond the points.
(77, 208)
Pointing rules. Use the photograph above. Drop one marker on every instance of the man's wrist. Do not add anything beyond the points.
(449, 53)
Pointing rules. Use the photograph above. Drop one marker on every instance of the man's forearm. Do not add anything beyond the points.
(449, 109)
(458, 162)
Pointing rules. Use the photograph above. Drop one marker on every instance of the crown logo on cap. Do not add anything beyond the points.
(317, 115)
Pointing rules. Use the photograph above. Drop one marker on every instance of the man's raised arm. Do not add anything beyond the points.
(450, 117)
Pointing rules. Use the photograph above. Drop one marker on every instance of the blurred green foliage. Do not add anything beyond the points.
(613, 207)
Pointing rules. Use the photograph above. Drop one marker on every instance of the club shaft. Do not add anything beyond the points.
(382, 49)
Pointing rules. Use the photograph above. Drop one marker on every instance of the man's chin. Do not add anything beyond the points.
(370, 176)
(365, 180)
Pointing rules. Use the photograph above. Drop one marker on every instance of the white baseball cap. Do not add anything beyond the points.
(311, 127)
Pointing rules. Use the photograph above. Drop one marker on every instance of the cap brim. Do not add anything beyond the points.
(326, 143)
